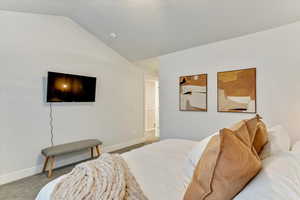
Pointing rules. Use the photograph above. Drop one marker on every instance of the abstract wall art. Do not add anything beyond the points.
(237, 91)
(193, 93)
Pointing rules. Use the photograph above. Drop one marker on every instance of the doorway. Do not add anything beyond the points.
(151, 109)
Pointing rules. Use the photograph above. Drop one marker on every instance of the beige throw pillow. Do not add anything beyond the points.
(226, 166)
(257, 133)
(250, 125)
(261, 137)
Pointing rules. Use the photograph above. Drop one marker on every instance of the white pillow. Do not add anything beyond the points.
(196, 153)
(279, 179)
(194, 157)
(279, 141)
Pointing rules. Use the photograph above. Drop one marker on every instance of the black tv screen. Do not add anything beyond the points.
(70, 88)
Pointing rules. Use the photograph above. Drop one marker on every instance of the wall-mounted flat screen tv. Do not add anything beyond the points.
(70, 88)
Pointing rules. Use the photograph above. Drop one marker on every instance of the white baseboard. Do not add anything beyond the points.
(13, 176)
(123, 145)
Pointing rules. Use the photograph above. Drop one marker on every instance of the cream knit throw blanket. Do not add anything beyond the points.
(107, 178)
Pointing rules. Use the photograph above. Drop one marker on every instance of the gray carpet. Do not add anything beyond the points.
(28, 188)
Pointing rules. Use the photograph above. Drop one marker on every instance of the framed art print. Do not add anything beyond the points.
(193, 93)
(237, 91)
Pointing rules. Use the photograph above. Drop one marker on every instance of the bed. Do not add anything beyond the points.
(161, 171)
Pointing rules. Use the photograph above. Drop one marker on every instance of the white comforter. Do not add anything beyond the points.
(159, 169)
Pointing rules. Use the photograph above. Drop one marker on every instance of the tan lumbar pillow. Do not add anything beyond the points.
(257, 132)
(225, 168)
(261, 137)
(250, 125)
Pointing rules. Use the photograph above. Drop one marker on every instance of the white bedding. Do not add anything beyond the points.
(278, 180)
(159, 169)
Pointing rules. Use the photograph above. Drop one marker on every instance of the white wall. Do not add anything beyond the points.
(150, 66)
(275, 54)
(30, 45)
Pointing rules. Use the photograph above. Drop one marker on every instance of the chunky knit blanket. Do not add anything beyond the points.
(107, 178)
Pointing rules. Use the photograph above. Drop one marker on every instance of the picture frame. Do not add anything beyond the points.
(193, 93)
(236, 91)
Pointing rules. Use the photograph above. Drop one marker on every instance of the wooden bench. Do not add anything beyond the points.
(51, 152)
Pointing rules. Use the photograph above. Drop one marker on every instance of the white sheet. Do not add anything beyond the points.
(159, 169)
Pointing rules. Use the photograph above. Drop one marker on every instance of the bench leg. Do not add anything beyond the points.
(45, 164)
(98, 151)
(52, 159)
(92, 152)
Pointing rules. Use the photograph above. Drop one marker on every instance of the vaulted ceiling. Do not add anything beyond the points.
(149, 28)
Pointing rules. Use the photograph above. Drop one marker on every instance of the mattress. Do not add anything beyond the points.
(158, 168)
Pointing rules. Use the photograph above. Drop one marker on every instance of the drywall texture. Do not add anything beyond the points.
(31, 45)
(275, 54)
